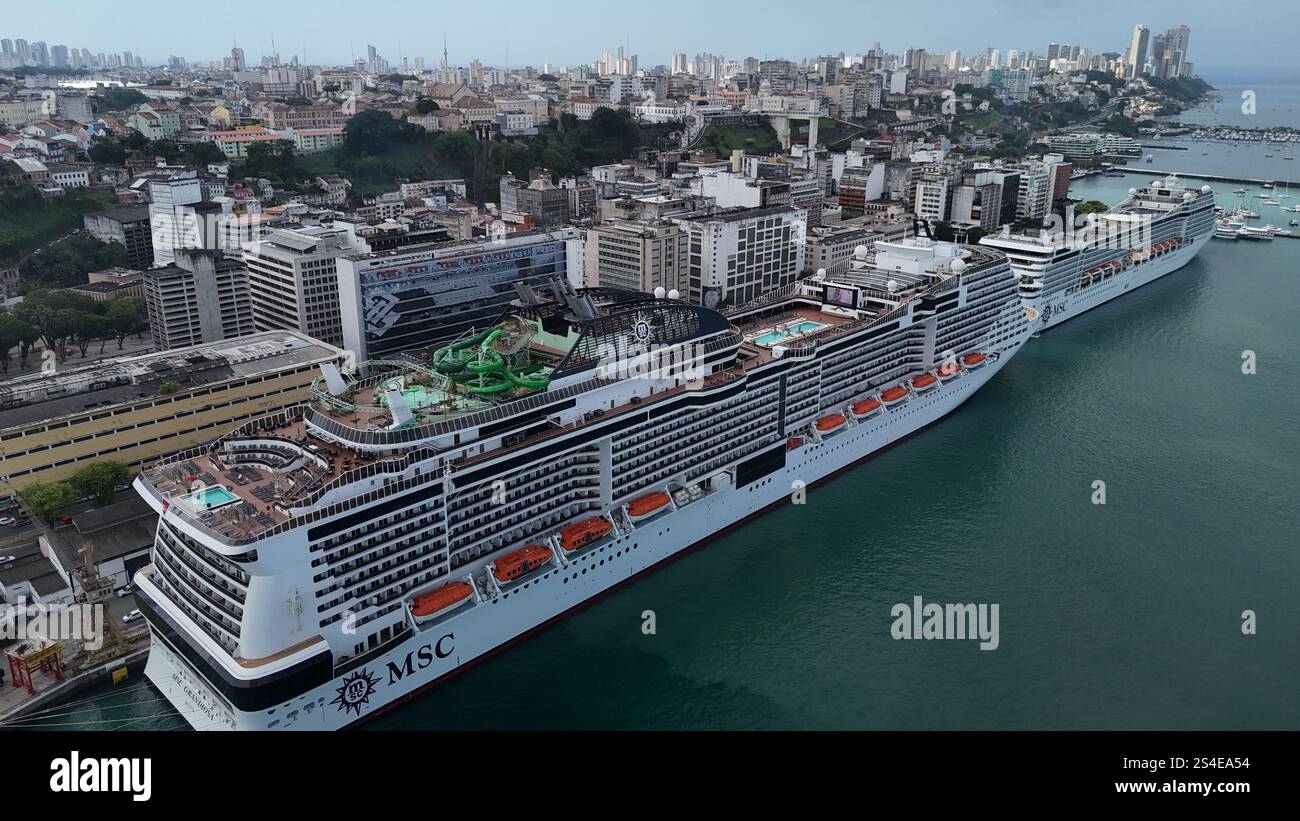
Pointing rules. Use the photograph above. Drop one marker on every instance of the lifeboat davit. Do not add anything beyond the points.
(831, 423)
(647, 505)
(865, 408)
(893, 395)
(435, 603)
(521, 562)
(948, 370)
(973, 360)
(580, 534)
(924, 382)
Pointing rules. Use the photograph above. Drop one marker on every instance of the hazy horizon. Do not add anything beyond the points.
(501, 34)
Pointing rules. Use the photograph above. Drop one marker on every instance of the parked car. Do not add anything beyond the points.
(124, 591)
(7, 559)
(7, 521)
(132, 616)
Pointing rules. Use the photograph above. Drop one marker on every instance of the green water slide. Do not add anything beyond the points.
(484, 370)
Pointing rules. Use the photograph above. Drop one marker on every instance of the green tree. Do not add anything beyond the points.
(118, 99)
(108, 153)
(97, 481)
(49, 501)
(1091, 207)
(942, 231)
(66, 263)
(169, 388)
(425, 106)
(371, 133)
(13, 333)
(204, 153)
(1119, 124)
(127, 315)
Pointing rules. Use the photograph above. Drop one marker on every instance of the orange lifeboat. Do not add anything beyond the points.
(831, 423)
(894, 394)
(434, 603)
(580, 534)
(973, 360)
(647, 505)
(865, 408)
(948, 370)
(793, 442)
(520, 563)
(924, 382)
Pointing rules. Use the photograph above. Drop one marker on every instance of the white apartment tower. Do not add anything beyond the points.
(739, 255)
(293, 281)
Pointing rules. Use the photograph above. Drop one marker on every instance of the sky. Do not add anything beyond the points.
(568, 33)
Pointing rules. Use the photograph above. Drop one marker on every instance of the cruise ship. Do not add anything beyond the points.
(1155, 231)
(315, 567)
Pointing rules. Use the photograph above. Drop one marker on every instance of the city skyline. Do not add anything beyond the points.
(514, 42)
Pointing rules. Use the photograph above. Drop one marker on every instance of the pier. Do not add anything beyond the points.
(1153, 172)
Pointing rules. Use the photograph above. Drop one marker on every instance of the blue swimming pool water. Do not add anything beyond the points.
(211, 497)
(773, 337)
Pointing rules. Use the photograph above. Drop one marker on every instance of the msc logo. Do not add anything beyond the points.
(356, 691)
(422, 658)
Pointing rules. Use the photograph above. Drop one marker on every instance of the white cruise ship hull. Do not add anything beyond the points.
(448, 645)
(1057, 309)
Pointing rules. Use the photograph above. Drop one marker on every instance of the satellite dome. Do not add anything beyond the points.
(1205, 189)
(674, 294)
(860, 252)
(659, 292)
(821, 274)
(1132, 192)
(957, 266)
(1187, 196)
(892, 285)
(1155, 183)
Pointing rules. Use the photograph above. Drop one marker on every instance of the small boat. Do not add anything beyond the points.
(580, 534)
(948, 370)
(519, 563)
(924, 382)
(973, 360)
(647, 505)
(831, 423)
(865, 408)
(893, 395)
(434, 603)
(1293, 223)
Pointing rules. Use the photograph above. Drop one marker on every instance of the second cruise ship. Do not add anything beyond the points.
(1156, 230)
(315, 567)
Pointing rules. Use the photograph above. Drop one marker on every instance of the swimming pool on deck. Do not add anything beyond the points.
(782, 333)
(210, 498)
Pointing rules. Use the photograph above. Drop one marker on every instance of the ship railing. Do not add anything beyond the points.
(411, 435)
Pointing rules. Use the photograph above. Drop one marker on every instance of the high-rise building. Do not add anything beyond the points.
(237, 62)
(173, 225)
(638, 256)
(293, 281)
(128, 226)
(740, 254)
(1176, 43)
(1137, 50)
(201, 297)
